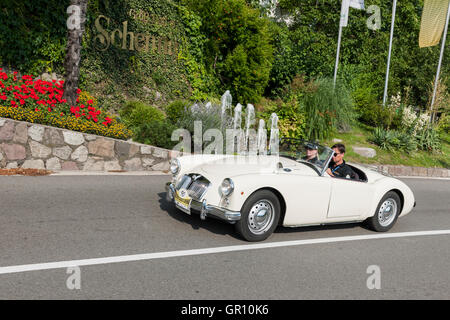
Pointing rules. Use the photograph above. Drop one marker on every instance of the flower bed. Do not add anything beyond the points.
(38, 101)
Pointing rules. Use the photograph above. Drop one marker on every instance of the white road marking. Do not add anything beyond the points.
(193, 252)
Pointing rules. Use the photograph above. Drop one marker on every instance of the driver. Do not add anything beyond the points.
(338, 168)
(311, 153)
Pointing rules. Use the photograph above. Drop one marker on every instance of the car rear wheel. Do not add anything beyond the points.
(387, 212)
(259, 216)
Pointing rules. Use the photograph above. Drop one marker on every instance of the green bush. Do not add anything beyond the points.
(291, 118)
(156, 133)
(134, 114)
(238, 49)
(175, 110)
(444, 123)
(428, 139)
(327, 108)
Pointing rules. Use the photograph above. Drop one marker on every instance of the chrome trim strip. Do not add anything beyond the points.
(207, 210)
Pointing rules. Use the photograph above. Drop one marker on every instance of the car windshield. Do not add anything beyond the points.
(311, 154)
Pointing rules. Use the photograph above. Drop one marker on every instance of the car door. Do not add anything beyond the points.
(307, 198)
(349, 198)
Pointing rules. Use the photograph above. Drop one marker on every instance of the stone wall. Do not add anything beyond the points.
(28, 145)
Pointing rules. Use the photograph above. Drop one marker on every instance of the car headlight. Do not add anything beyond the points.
(227, 187)
(175, 166)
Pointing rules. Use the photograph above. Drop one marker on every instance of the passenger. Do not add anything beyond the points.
(338, 168)
(312, 153)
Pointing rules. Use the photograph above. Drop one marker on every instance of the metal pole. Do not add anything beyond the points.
(337, 55)
(436, 81)
(390, 50)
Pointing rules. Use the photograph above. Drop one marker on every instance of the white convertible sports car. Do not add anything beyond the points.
(258, 193)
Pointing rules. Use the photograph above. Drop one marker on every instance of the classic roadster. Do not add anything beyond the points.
(258, 193)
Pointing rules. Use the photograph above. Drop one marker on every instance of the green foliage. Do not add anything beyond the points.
(176, 110)
(155, 133)
(444, 123)
(33, 35)
(291, 118)
(428, 139)
(327, 108)
(135, 114)
(238, 49)
(314, 35)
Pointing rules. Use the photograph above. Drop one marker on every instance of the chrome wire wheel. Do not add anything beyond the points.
(261, 217)
(387, 212)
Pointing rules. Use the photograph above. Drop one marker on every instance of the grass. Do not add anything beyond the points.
(359, 135)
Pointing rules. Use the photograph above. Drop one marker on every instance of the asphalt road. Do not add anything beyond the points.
(63, 218)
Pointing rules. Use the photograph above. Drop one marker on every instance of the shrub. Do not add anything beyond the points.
(135, 114)
(238, 49)
(175, 110)
(155, 132)
(428, 139)
(291, 118)
(327, 108)
(444, 123)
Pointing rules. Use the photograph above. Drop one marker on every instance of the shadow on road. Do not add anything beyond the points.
(210, 224)
(299, 230)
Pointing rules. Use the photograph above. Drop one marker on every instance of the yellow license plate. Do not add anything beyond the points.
(183, 203)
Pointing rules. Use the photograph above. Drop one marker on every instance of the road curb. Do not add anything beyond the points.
(405, 171)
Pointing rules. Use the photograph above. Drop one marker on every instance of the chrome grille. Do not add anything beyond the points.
(198, 188)
(196, 185)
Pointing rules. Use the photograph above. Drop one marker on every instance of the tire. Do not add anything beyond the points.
(268, 206)
(387, 212)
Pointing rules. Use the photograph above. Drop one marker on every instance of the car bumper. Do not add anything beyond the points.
(205, 210)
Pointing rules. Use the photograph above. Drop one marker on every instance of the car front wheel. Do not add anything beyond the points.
(387, 212)
(259, 216)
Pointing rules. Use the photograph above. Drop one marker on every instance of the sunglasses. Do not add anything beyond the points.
(336, 154)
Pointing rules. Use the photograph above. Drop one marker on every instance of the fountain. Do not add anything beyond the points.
(249, 121)
(226, 101)
(262, 138)
(274, 134)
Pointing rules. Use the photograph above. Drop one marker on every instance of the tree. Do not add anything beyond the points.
(75, 25)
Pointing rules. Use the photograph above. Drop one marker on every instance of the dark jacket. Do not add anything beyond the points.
(342, 170)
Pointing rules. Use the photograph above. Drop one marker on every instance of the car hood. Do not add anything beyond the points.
(244, 165)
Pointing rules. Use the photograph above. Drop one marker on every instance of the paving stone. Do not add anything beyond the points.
(134, 164)
(53, 137)
(80, 154)
(90, 137)
(73, 138)
(122, 149)
(69, 165)
(53, 164)
(162, 166)
(147, 162)
(12, 165)
(39, 150)
(7, 131)
(33, 164)
(21, 133)
(93, 165)
(134, 149)
(63, 152)
(102, 147)
(2, 122)
(36, 132)
(146, 150)
(160, 153)
(112, 165)
(14, 151)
